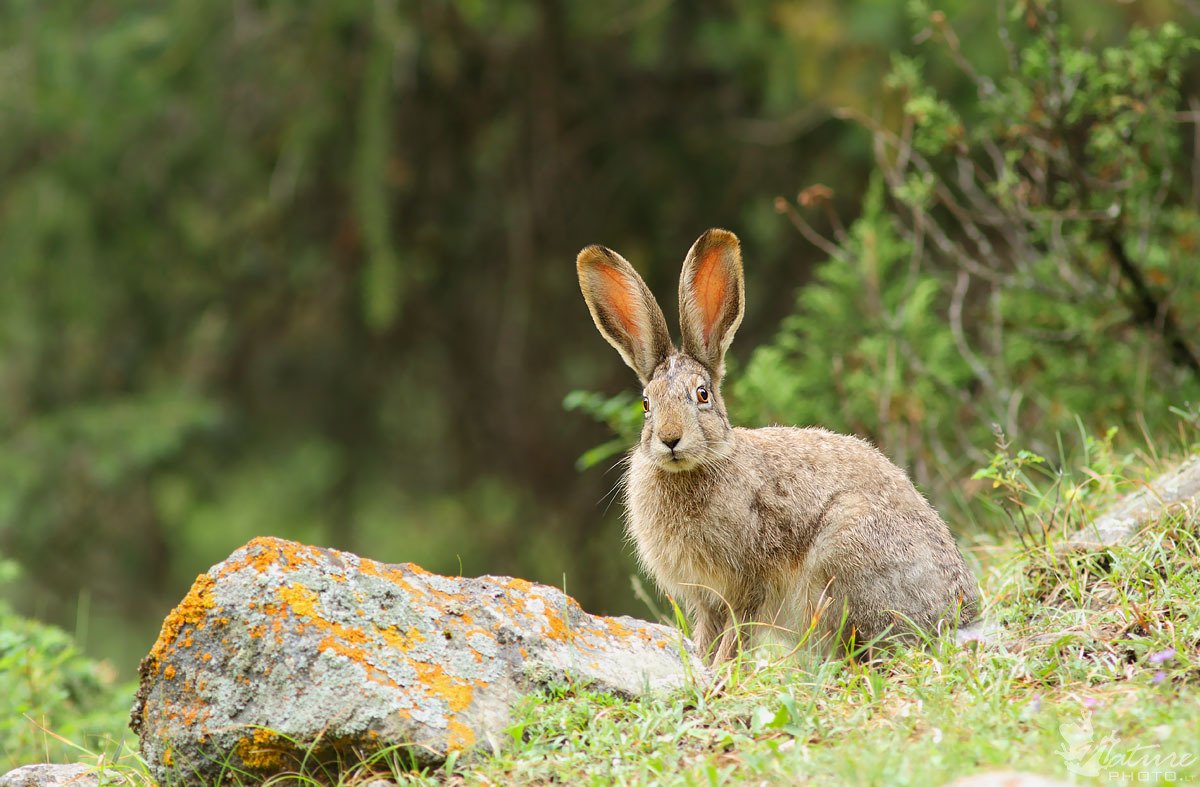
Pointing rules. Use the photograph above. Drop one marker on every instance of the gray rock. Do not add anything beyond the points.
(982, 633)
(1171, 491)
(285, 651)
(47, 775)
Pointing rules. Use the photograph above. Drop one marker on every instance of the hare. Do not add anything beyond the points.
(779, 535)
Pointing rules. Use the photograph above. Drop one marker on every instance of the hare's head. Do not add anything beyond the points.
(686, 424)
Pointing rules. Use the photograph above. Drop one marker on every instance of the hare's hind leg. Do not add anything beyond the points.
(880, 590)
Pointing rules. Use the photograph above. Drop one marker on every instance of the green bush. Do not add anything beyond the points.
(53, 700)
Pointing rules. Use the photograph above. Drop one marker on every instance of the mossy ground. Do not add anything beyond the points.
(1097, 680)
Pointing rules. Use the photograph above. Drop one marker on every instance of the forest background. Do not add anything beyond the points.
(307, 271)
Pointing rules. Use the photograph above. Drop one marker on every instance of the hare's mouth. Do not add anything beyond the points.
(676, 462)
(674, 456)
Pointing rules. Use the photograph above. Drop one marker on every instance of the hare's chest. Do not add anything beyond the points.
(686, 545)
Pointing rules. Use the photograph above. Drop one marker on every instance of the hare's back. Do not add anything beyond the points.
(824, 459)
(871, 538)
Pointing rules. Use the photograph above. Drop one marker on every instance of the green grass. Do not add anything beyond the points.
(1107, 638)
(1088, 637)
(55, 702)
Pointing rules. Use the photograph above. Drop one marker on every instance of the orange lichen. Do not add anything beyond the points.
(265, 551)
(261, 751)
(457, 692)
(459, 736)
(392, 574)
(556, 626)
(169, 672)
(616, 629)
(301, 600)
(190, 716)
(335, 645)
(191, 611)
(401, 641)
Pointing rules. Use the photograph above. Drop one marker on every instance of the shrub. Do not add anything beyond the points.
(49, 689)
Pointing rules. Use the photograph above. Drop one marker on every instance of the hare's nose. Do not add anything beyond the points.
(671, 443)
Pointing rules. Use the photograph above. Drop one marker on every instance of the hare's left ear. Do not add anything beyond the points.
(712, 295)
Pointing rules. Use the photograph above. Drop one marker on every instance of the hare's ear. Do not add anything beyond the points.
(712, 295)
(623, 309)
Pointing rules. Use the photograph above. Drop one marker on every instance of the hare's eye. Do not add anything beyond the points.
(645, 405)
(702, 395)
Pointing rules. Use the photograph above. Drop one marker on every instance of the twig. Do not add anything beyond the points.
(1149, 310)
(960, 338)
(806, 229)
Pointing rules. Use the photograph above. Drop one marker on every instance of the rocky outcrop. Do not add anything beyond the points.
(47, 775)
(285, 651)
(1169, 492)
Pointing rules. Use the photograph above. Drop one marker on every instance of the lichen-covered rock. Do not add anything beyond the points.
(48, 775)
(285, 651)
(1173, 490)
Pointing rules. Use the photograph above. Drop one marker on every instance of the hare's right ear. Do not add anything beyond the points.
(624, 310)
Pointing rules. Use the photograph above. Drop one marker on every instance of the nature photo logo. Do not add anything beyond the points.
(1105, 758)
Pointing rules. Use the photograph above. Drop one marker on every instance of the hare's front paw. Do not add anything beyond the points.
(710, 624)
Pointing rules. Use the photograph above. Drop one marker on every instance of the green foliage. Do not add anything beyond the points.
(1023, 261)
(866, 350)
(621, 413)
(1009, 471)
(55, 701)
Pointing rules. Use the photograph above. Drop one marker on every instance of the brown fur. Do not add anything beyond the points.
(786, 529)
